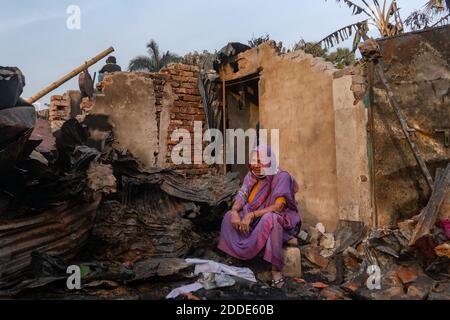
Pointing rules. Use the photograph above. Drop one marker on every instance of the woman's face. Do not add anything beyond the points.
(255, 166)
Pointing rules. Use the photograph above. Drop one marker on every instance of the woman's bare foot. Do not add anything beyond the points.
(277, 279)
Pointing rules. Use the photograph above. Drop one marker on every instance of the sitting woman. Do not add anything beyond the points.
(264, 215)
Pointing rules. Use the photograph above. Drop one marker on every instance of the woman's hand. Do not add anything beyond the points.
(235, 219)
(245, 224)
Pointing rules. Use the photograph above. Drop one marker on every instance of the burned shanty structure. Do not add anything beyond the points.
(55, 201)
(337, 126)
(367, 144)
(416, 66)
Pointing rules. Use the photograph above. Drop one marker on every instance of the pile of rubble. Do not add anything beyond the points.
(87, 194)
(88, 202)
(357, 263)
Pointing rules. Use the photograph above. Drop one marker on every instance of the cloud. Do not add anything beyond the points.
(23, 19)
(26, 21)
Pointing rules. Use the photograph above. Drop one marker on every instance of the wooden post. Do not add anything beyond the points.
(70, 75)
(224, 120)
(371, 138)
(429, 215)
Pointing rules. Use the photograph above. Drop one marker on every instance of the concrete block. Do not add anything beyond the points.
(292, 262)
(292, 243)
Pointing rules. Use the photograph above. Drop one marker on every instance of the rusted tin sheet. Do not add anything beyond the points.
(59, 232)
(417, 67)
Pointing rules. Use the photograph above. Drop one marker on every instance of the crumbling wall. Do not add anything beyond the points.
(352, 152)
(145, 109)
(59, 110)
(184, 103)
(62, 108)
(129, 101)
(417, 66)
(300, 96)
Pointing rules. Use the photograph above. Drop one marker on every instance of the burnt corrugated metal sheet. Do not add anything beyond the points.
(59, 232)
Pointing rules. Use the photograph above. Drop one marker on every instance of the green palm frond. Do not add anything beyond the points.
(142, 63)
(442, 22)
(383, 14)
(359, 29)
(169, 57)
(438, 5)
(153, 50)
(154, 61)
(434, 13)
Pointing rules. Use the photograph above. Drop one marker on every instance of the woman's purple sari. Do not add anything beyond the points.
(268, 233)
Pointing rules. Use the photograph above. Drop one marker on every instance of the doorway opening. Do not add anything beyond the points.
(242, 112)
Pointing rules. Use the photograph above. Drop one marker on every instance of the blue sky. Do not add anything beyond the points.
(34, 36)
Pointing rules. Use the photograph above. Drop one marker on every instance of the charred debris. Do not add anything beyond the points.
(76, 196)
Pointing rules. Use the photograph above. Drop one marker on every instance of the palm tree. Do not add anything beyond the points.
(154, 61)
(384, 16)
(433, 13)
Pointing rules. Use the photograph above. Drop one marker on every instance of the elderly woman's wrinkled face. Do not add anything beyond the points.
(256, 166)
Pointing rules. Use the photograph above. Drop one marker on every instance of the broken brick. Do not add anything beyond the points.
(443, 250)
(320, 285)
(393, 293)
(407, 274)
(313, 254)
(333, 293)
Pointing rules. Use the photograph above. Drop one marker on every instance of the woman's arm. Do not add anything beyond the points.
(237, 206)
(235, 217)
(276, 207)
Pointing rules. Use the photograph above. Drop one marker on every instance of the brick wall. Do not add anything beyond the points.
(59, 110)
(177, 105)
(66, 106)
(175, 88)
(187, 108)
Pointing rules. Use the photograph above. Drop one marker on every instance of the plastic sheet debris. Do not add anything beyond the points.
(213, 280)
(212, 275)
(184, 290)
(207, 266)
(12, 82)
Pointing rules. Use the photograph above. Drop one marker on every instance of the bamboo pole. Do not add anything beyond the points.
(70, 75)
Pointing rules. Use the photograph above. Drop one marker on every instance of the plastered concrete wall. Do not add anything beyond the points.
(352, 159)
(323, 140)
(296, 97)
(145, 108)
(129, 101)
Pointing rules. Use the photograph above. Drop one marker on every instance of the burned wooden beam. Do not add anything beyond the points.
(428, 217)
